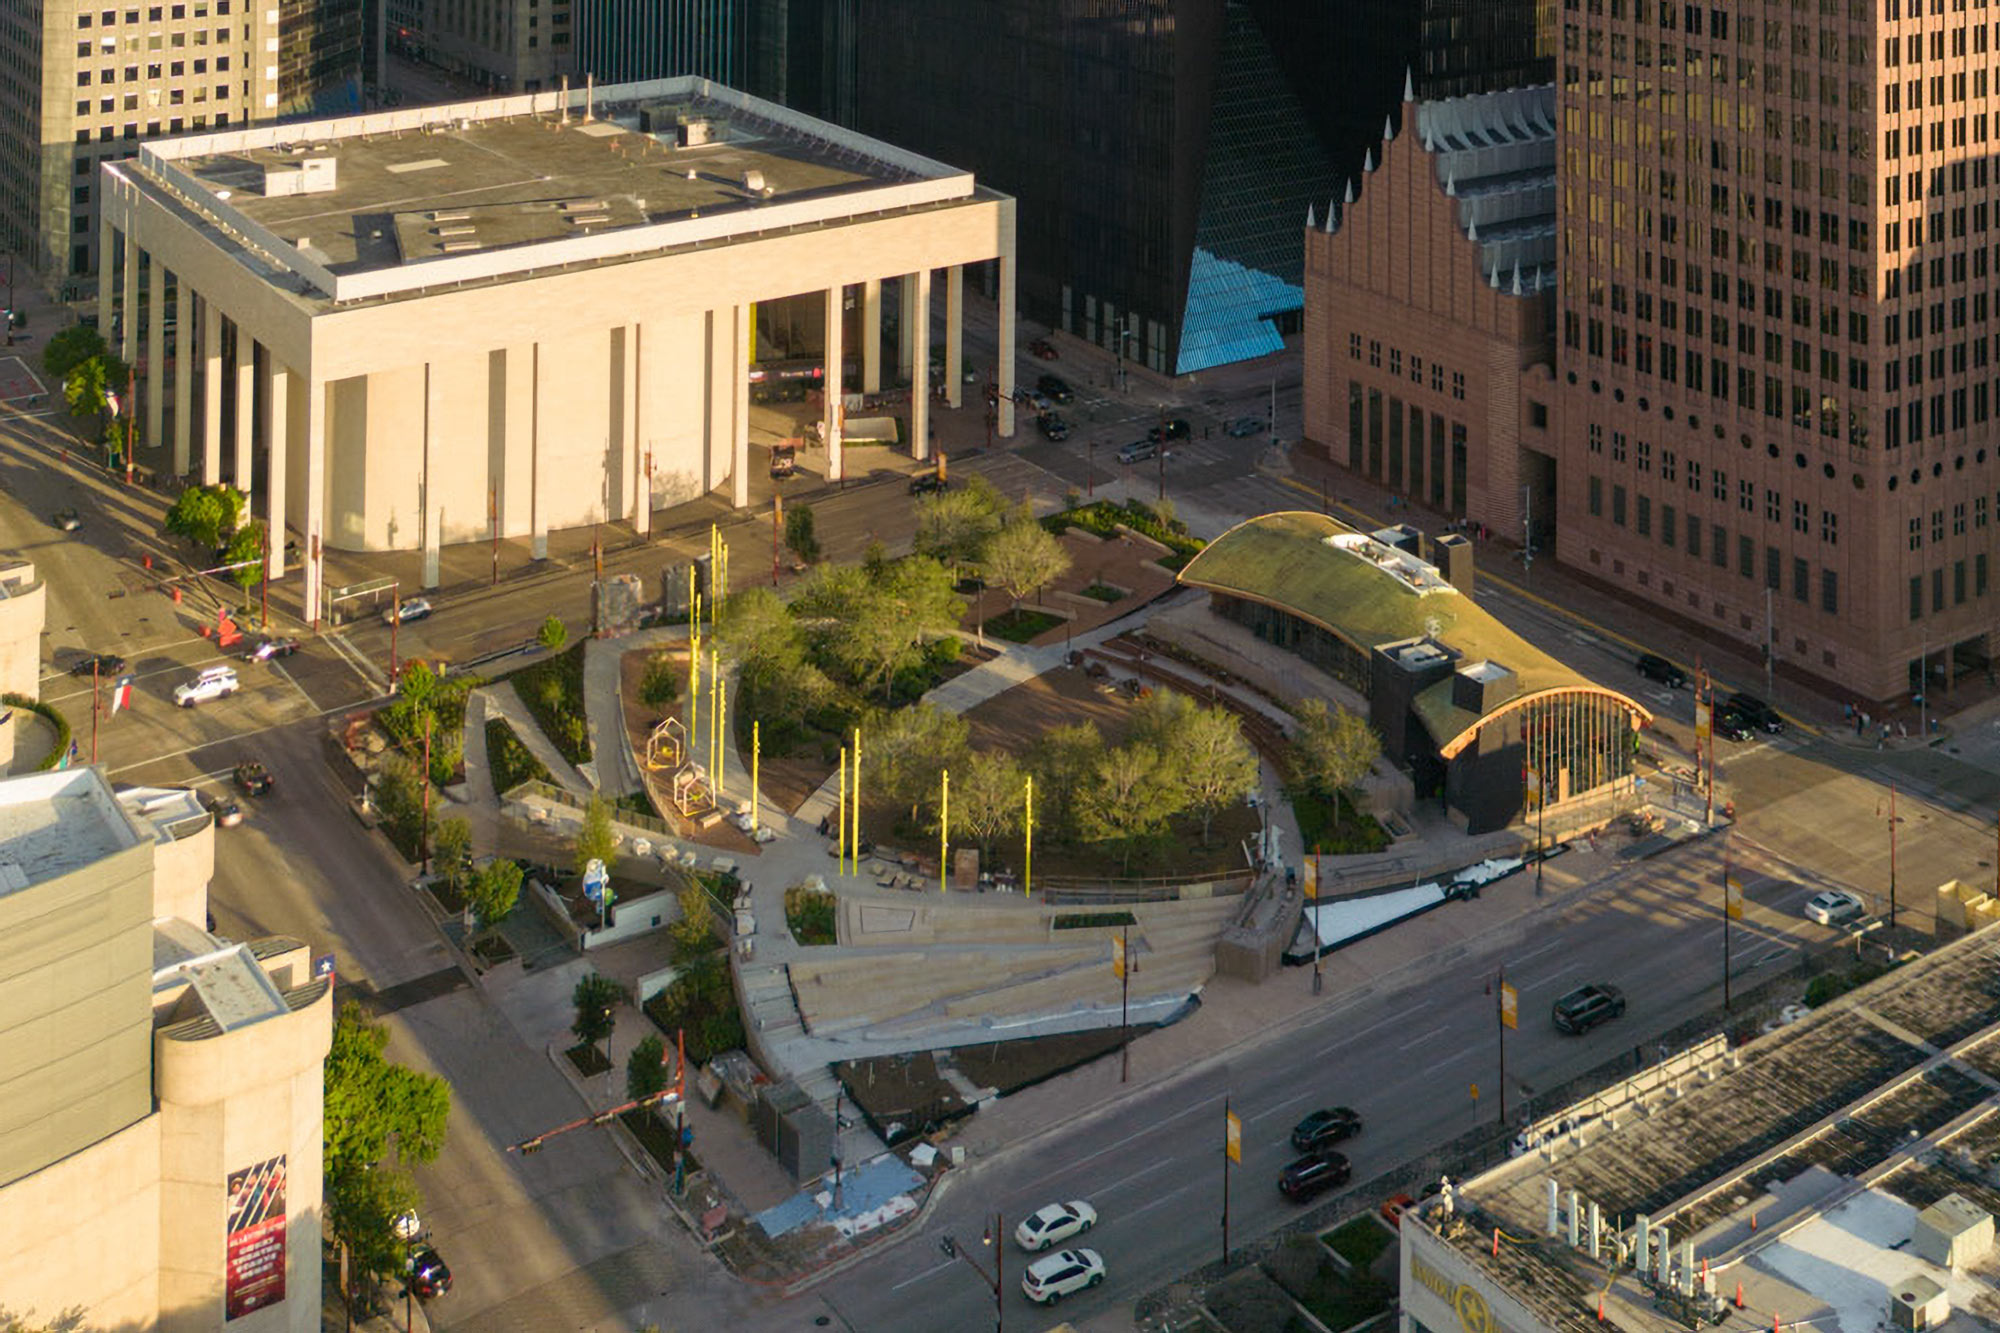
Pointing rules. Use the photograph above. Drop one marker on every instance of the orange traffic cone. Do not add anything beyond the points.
(1739, 1293)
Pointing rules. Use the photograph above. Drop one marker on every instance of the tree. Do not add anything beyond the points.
(1332, 749)
(399, 795)
(646, 1068)
(800, 539)
(694, 933)
(205, 515)
(953, 526)
(361, 1210)
(987, 791)
(373, 1105)
(595, 998)
(84, 388)
(246, 553)
(1159, 717)
(553, 635)
(902, 752)
(1024, 557)
(1216, 766)
(596, 840)
(71, 348)
(1128, 804)
(1065, 761)
(451, 850)
(493, 891)
(874, 627)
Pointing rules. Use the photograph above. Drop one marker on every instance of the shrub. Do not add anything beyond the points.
(809, 915)
(552, 689)
(512, 762)
(661, 683)
(55, 719)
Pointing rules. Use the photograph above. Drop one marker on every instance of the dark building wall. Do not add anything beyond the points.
(627, 41)
(1483, 782)
(321, 48)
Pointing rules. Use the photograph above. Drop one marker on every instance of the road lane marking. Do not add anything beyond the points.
(1359, 1033)
(1554, 977)
(1552, 944)
(1160, 1165)
(928, 1272)
(1449, 1060)
(1289, 1101)
(1412, 1045)
(1140, 1134)
(1771, 957)
(1163, 1199)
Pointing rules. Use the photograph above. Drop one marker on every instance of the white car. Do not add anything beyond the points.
(214, 682)
(1058, 1221)
(1050, 1279)
(412, 608)
(1834, 908)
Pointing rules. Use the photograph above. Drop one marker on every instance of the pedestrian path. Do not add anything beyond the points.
(604, 705)
(502, 702)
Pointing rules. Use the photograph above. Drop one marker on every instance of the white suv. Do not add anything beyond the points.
(1049, 1280)
(213, 683)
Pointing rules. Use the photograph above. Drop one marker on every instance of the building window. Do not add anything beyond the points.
(1617, 446)
(1354, 346)
(1958, 519)
(1801, 516)
(1774, 568)
(1829, 527)
(1916, 597)
(1669, 534)
(1801, 580)
(1597, 497)
(1458, 384)
(1937, 525)
(1937, 590)
(1596, 436)
(1829, 592)
(1746, 496)
(1979, 575)
(1668, 465)
(1746, 556)
(1374, 352)
(1771, 505)
(1644, 458)
(1618, 505)
(1718, 485)
(1395, 361)
(1643, 519)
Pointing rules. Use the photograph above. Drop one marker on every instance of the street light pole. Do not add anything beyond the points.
(994, 1236)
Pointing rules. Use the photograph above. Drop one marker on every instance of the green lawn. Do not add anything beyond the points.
(1021, 624)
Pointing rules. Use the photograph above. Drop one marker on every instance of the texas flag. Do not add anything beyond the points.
(121, 694)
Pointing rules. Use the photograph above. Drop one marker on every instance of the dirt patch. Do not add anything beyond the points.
(1009, 1066)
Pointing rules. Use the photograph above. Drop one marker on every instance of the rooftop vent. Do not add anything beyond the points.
(312, 175)
(692, 132)
(753, 181)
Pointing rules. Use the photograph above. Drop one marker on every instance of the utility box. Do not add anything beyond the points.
(1953, 1232)
(1917, 1304)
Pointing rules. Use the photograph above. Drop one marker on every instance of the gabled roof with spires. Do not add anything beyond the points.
(1496, 154)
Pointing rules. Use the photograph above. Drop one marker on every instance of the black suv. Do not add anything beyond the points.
(1325, 1127)
(1654, 667)
(1585, 1007)
(1313, 1175)
(1732, 725)
(1756, 713)
(1052, 426)
(1056, 389)
(1177, 429)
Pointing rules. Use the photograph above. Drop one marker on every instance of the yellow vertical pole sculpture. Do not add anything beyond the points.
(715, 715)
(944, 830)
(694, 697)
(840, 818)
(855, 841)
(1028, 822)
(722, 735)
(756, 757)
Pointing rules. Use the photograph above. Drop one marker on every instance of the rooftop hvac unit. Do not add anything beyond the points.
(1917, 1303)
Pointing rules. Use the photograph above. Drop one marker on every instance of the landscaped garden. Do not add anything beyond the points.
(552, 689)
(509, 760)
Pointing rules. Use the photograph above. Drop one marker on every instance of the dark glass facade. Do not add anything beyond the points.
(320, 48)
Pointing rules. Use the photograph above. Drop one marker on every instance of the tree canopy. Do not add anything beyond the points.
(903, 750)
(954, 525)
(72, 347)
(596, 998)
(646, 1069)
(873, 624)
(1024, 557)
(493, 891)
(206, 515)
(1332, 749)
(987, 797)
(596, 840)
(374, 1105)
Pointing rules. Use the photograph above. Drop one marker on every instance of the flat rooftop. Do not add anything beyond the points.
(367, 205)
(1888, 1093)
(55, 823)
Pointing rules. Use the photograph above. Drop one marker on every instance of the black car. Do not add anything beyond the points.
(1587, 1006)
(1313, 1175)
(1052, 426)
(104, 664)
(426, 1273)
(1176, 429)
(1756, 712)
(1732, 725)
(67, 519)
(926, 483)
(1056, 389)
(1654, 667)
(1325, 1127)
(253, 779)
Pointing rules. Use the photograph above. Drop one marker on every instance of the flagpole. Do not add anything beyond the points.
(1725, 932)
(94, 664)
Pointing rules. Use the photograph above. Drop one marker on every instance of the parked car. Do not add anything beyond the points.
(213, 683)
(1326, 1127)
(1313, 1174)
(926, 483)
(1243, 427)
(1834, 908)
(1138, 451)
(1057, 388)
(1756, 712)
(784, 460)
(103, 664)
(1036, 399)
(409, 609)
(1058, 1221)
(271, 649)
(1587, 1006)
(253, 779)
(1050, 1279)
(67, 519)
(1044, 349)
(1732, 725)
(425, 1273)
(1052, 426)
(1654, 667)
(227, 813)
(1174, 429)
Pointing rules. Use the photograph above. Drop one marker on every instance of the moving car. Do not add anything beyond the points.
(926, 483)
(1057, 388)
(1325, 1127)
(1756, 712)
(1052, 426)
(1654, 667)
(1834, 908)
(1050, 1279)
(1138, 451)
(67, 519)
(1036, 399)
(253, 779)
(1732, 725)
(213, 683)
(227, 813)
(104, 664)
(1176, 429)
(411, 608)
(1587, 1006)
(274, 648)
(784, 460)
(1313, 1174)
(1243, 427)
(426, 1273)
(1058, 1221)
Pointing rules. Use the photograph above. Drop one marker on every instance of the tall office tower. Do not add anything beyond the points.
(1775, 362)
(321, 44)
(510, 46)
(86, 80)
(623, 41)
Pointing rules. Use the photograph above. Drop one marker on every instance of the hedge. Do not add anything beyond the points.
(55, 719)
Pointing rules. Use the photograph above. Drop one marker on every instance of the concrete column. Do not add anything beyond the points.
(183, 379)
(906, 292)
(277, 439)
(871, 336)
(246, 409)
(427, 515)
(156, 352)
(538, 513)
(315, 497)
(920, 352)
(128, 323)
(632, 460)
(107, 267)
(513, 469)
(954, 336)
(835, 354)
(739, 412)
(211, 394)
(1006, 333)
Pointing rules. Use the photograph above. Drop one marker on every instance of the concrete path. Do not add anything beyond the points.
(502, 702)
(604, 705)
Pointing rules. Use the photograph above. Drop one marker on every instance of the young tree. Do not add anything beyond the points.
(903, 750)
(451, 850)
(1024, 557)
(493, 892)
(987, 790)
(1065, 762)
(84, 389)
(800, 539)
(596, 840)
(1332, 749)
(1129, 803)
(660, 682)
(373, 1105)
(361, 1210)
(694, 933)
(596, 998)
(953, 526)
(205, 515)
(1159, 717)
(553, 635)
(398, 793)
(1215, 764)
(646, 1071)
(246, 552)
(71, 348)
